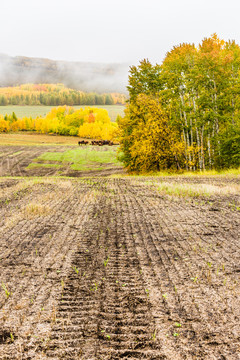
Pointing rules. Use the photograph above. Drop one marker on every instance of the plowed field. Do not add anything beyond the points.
(104, 268)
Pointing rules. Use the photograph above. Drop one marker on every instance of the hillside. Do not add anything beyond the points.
(77, 75)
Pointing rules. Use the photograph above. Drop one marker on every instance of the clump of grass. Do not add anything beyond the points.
(7, 292)
(33, 209)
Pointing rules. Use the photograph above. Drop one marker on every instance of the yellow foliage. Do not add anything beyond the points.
(64, 120)
(4, 126)
(147, 140)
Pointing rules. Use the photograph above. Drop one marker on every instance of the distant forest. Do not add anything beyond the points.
(88, 77)
(54, 95)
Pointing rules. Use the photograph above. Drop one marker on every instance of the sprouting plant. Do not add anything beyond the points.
(124, 285)
(164, 296)
(94, 288)
(175, 288)
(209, 264)
(194, 279)
(8, 293)
(154, 335)
(76, 270)
(177, 324)
(108, 337)
(36, 252)
(106, 261)
(11, 336)
(223, 267)
(147, 292)
(175, 334)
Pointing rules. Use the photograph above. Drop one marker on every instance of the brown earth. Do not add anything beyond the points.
(104, 268)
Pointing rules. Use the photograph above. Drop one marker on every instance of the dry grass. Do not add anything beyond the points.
(194, 190)
(35, 210)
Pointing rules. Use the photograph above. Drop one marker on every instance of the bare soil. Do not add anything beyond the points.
(105, 268)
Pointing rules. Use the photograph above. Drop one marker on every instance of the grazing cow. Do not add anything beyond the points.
(83, 142)
(102, 142)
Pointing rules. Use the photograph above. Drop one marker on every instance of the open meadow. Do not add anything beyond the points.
(42, 110)
(97, 264)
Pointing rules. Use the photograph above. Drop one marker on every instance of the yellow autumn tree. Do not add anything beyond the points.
(147, 140)
(4, 125)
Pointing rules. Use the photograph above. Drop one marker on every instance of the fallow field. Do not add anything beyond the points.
(96, 264)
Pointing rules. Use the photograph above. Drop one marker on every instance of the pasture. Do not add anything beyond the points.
(41, 110)
(97, 264)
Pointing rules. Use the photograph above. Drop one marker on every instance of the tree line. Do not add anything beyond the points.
(184, 113)
(55, 95)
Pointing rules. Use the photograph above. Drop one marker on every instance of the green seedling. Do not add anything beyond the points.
(147, 292)
(11, 336)
(154, 335)
(177, 324)
(209, 264)
(175, 289)
(94, 288)
(76, 270)
(108, 337)
(106, 261)
(7, 293)
(164, 296)
(194, 279)
(176, 334)
(124, 285)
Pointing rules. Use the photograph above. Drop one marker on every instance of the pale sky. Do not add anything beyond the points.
(110, 31)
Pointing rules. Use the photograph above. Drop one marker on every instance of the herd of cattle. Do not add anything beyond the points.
(96, 142)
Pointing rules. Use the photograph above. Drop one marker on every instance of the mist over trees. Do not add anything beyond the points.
(88, 77)
(193, 101)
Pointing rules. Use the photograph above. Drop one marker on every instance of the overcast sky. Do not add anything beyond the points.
(112, 30)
